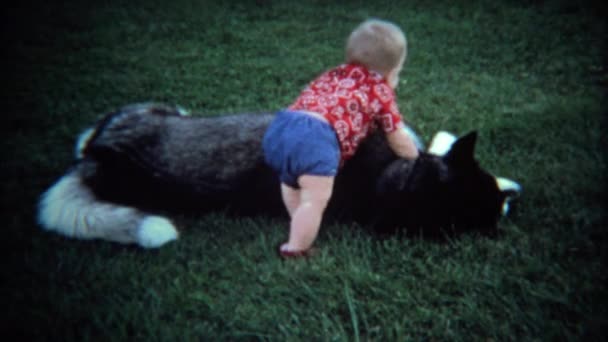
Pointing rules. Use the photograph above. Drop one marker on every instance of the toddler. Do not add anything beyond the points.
(307, 143)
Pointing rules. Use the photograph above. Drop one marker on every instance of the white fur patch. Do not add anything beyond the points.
(155, 231)
(513, 189)
(182, 111)
(442, 143)
(505, 208)
(60, 207)
(507, 185)
(83, 140)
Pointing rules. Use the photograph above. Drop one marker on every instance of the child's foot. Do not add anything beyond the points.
(287, 253)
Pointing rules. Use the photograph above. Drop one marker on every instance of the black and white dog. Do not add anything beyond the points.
(147, 158)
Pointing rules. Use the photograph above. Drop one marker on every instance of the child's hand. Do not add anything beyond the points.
(402, 144)
(286, 253)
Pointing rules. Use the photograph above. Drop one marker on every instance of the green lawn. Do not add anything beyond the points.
(528, 75)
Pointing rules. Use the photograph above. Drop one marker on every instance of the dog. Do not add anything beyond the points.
(147, 158)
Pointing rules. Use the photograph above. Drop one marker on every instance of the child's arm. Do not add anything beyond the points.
(402, 144)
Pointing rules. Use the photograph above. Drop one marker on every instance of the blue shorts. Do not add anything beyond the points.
(297, 144)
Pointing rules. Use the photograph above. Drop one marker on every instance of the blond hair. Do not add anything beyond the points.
(379, 45)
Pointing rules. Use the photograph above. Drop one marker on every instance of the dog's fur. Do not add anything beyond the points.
(148, 157)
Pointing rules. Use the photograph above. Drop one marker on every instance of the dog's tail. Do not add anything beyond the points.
(71, 208)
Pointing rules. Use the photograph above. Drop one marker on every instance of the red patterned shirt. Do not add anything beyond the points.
(354, 100)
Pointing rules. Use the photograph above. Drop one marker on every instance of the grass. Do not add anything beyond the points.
(529, 76)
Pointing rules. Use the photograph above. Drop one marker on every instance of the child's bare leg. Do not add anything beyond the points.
(315, 192)
(291, 198)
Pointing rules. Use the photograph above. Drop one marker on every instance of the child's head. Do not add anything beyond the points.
(380, 46)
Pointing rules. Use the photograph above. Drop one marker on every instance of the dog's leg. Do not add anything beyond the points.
(70, 208)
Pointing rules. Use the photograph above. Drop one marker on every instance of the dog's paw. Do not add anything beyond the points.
(155, 231)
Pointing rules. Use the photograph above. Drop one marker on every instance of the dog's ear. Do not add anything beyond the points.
(462, 152)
